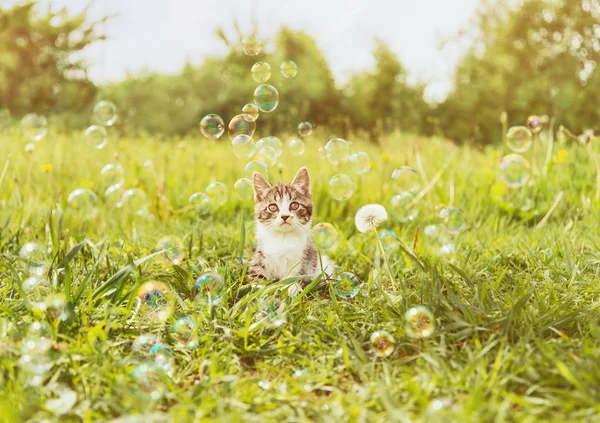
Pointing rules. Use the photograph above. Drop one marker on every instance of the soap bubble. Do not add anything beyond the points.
(534, 123)
(279, 144)
(256, 166)
(209, 288)
(105, 113)
(135, 201)
(271, 313)
(250, 112)
(296, 147)
(155, 302)
(34, 253)
(150, 380)
(288, 68)
(239, 125)
(519, 139)
(266, 98)
(200, 203)
(403, 207)
(251, 45)
(514, 170)
(347, 285)
(389, 240)
(337, 151)
(185, 333)
(84, 202)
(175, 250)
(382, 343)
(113, 195)
(454, 219)
(406, 179)
(163, 356)
(341, 187)
(112, 174)
(34, 127)
(218, 193)
(261, 72)
(325, 236)
(242, 146)
(96, 136)
(360, 162)
(212, 126)
(267, 142)
(244, 189)
(420, 322)
(267, 155)
(38, 292)
(305, 129)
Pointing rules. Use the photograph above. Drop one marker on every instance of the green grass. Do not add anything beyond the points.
(517, 307)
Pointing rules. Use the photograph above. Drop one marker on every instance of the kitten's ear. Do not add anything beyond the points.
(302, 182)
(261, 186)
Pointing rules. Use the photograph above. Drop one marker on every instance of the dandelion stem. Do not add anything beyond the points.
(550, 146)
(430, 185)
(4, 171)
(385, 260)
(547, 216)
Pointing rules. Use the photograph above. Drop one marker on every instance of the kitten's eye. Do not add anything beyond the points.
(294, 206)
(273, 208)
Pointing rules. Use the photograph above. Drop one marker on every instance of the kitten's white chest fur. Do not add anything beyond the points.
(283, 252)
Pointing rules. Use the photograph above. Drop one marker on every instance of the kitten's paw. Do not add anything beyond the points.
(294, 289)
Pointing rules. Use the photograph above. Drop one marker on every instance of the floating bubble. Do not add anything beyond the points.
(142, 344)
(163, 356)
(84, 202)
(420, 322)
(135, 201)
(256, 166)
(34, 366)
(447, 251)
(105, 113)
(389, 240)
(38, 292)
(185, 333)
(406, 179)
(34, 127)
(454, 219)
(271, 313)
(209, 288)
(244, 189)
(34, 253)
(288, 68)
(150, 380)
(266, 98)
(242, 146)
(113, 195)
(112, 174)
(239, 125)
(218, 193)
(434, 232)
(267, 155)
(261, 72)
(519, 139)
(341, 187)
(403, 207)
(267, 142)
(175, 250)
(305, 129)
(360, 162)
(250, 112)
(155, 301)
(382, 343)
(337, 151)
(325, 236)
(251, 45)
(212, 126)
(534, 123)
(514, 170)
(296, 147)
(347, 285)
(200, 203)
(96, 136)
(279, 144)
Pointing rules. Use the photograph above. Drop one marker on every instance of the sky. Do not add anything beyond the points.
(160, 35)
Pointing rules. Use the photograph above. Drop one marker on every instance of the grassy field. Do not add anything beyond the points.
(516, 308)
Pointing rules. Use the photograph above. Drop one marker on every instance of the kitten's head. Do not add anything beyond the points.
(283, 207)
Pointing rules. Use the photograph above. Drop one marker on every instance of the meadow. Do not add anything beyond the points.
(515, 299)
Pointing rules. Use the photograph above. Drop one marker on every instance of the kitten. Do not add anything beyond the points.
(284, 245)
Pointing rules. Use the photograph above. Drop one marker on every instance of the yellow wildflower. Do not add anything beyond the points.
(386, 157)
(561, 156)
(47, 168)
(495, 155)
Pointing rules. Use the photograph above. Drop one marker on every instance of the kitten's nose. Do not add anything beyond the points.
(285, 217)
